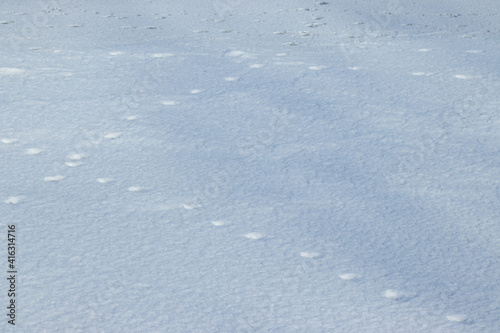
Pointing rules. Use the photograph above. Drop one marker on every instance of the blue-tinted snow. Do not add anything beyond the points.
(227, 166)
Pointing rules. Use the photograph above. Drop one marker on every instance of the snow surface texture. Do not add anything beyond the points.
(252, 166)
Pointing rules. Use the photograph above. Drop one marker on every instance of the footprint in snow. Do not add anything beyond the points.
(76, 157)
(310, 255)
(54, 178)
(349, 276)
(189, 207)
(398, 295)
(457, 318)
(317, 68)
(162, 55)
(104, 180)
(112, 135)
(8, 141)
(14, 200)
(11, 71)
(463, 77)
(218, 223)
(32, 151)
(254, 235)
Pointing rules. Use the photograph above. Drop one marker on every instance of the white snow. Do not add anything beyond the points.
(251, 166)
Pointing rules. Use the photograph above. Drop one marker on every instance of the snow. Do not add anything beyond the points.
(252, 166)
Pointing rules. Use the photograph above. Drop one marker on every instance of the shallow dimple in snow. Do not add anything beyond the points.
(135, 188)
(355, 68)
(218, 223)
(104, 180)
(131, 117)
(424, 50)
(116, 53)
(112, 135)
(196, 91)
(349, 276)
(254, 235)
(231, 78)
(8, 141)
(11, 71)
(54, 178)
(398, 295)
(33, 151)
(310, 255)
(14, 200)
(169, 103)
(188, 207)
(76, 157)
(463, 77)
(73, 164)
(256, 66)
(457, 318)
(235, 53)
(162, 55)
(317, 68)
(418, 73)
(474, 51)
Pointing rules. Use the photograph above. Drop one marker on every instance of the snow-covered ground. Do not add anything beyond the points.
(251, 166)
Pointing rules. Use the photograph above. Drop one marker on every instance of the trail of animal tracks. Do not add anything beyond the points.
(230, 166)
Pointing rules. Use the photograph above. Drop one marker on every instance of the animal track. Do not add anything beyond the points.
(457, 318)
(112, 135)
(8, 141)
(104, 180)
(32, 151)
(349, 276)
(310, 255)
(54, 178)
(254, 235)
(14, 200)
(218, 223)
